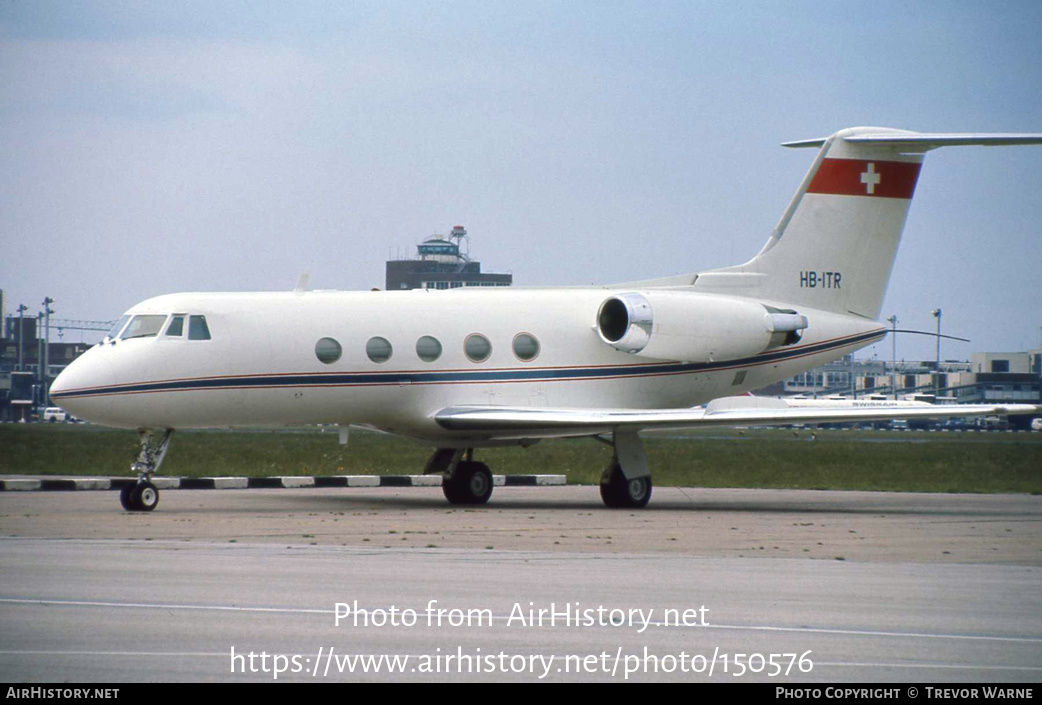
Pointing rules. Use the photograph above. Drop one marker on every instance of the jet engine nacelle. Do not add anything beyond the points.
(675, 325)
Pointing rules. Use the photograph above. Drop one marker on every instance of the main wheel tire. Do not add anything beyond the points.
(620, 493)
(125, 497)
(144, 497)
(470, 484)
(451, 491)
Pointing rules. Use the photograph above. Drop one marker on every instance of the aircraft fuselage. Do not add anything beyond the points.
(261, 364)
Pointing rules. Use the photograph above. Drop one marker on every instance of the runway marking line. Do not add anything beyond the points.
(504, 618)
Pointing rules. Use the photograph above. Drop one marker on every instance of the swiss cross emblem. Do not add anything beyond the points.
(867, 179)
(870, 178)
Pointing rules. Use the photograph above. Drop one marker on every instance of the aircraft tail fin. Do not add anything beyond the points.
(834, 247)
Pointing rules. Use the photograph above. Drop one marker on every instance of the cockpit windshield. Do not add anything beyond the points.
(118, 327)
(146, 326)
(152, 325)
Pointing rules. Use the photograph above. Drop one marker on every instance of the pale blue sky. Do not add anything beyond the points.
(152, 147)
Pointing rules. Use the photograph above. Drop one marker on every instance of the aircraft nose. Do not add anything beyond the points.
(63, 382)
(72, 389)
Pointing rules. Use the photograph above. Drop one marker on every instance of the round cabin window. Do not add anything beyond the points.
(526, 347)
(328, 351)
(428, 348)
(477, 347)
(378, 349)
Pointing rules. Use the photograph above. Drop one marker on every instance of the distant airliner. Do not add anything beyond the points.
(466, 369)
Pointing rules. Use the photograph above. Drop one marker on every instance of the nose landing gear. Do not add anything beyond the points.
(143, 496)
(139, 497)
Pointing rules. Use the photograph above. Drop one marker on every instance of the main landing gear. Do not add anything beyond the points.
(620, 493)
(465, 481)
(143, 495)
(625, 484)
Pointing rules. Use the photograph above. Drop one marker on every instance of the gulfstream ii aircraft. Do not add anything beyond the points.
(464, 369)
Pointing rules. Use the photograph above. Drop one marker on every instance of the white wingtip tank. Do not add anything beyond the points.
(834, 247)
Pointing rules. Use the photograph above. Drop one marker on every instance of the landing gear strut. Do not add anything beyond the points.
(465, 481)
(143, 495)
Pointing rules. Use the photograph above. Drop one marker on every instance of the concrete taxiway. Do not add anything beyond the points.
(836, 586)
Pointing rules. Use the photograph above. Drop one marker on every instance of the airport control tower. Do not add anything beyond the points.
(442, 263)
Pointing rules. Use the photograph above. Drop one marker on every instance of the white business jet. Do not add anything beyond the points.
(465, 369)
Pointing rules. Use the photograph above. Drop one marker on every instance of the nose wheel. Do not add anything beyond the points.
(139, 497)
(143, 496)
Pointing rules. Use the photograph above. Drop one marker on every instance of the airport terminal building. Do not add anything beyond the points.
(987, 378)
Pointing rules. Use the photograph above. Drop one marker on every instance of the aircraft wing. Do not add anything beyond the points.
(531, 422)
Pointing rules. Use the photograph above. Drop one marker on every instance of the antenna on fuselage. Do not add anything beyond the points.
(302, 283)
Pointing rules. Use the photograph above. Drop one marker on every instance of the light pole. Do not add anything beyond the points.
(853, 378)
(893, 354)
(22, 308)
(39, 365)
(937, 372)
(46, 362)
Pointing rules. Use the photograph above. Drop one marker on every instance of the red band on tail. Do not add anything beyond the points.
(873, 179)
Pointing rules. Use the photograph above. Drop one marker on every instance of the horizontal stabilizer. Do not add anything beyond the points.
(925, 141)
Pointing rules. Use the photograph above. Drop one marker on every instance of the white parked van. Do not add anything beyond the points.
(54, 414)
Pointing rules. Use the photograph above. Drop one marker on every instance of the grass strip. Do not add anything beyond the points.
(966, 462)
